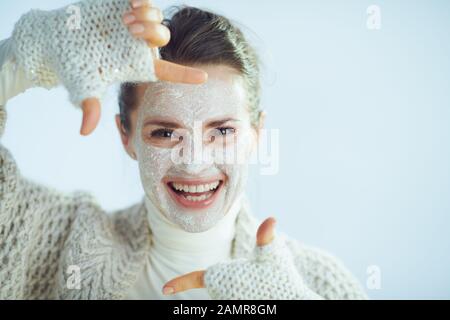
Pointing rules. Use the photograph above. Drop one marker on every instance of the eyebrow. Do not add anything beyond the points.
(162, 123)
(175, 125)
(218, 123)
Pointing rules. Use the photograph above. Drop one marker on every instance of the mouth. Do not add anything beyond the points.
(195, 195)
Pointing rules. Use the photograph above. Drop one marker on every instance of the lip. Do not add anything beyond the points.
(194, 205)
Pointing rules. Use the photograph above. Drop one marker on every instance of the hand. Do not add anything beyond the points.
(144, 22)
(270, 274)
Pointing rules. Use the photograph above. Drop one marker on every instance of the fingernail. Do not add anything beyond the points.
(138, 3)
(137, 28)
(163, 32)
(168, 290)
(154, 16)
(129, 18)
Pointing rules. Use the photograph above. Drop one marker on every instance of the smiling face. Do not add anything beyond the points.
(193, 143)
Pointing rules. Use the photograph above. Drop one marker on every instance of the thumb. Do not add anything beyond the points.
(266, 232)
(271, 246)
(91, 115)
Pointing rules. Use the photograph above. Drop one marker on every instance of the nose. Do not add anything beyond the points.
(197, 157)
(194, 169)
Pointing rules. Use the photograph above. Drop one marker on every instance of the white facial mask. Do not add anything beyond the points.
(193, 106)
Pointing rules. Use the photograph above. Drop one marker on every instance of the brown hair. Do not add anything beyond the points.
(202, 37)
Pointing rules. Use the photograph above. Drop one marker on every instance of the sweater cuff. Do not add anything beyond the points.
(12, 77)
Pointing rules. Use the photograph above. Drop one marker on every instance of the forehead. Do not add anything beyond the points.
(217, 97)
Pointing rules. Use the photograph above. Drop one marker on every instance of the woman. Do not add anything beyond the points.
(191, 128)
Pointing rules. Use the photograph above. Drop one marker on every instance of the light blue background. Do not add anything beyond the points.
(364, 127)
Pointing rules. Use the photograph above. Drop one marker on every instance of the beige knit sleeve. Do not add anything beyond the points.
(11, 83)
(34, 220)
(13, 80)
(34, 224)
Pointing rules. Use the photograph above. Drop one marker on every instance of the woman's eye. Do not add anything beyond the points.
(226, 131)
(162, 133)
(222, 133)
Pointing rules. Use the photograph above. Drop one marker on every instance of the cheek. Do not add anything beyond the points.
(234, 149)
(153, 162)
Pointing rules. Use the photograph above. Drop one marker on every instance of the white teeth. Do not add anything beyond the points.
(213, 185)
(200, 198)
(196, 188)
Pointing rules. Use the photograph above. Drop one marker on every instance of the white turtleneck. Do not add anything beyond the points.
(175, 252)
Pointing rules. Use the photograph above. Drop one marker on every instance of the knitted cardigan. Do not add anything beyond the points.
(43, 233)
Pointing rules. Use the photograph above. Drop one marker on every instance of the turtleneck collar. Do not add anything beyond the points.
(171, 243)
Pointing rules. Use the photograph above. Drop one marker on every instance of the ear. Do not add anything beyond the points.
(126, 139)
(261, 122)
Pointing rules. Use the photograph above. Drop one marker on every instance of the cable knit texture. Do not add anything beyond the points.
(269, 274)
(84, 46)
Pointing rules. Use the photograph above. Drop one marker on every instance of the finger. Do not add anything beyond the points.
(266, 232)
(154, 33)
(140, 3)
(172, 72)
(91, 116)
(193, 280)
(143, 14)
